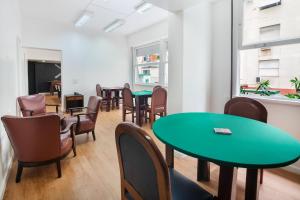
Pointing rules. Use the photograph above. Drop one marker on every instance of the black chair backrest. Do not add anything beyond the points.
(246, 107)
(144, 173)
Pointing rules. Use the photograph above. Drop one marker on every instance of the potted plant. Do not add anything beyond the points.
(296, 83)
(263, 88)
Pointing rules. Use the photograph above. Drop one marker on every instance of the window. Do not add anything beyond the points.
(270, 32)
(268, 49)
(268, 68)
(150, 63)
(264, 4)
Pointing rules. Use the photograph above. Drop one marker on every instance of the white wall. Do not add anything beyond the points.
(153, 33)
(87, 59)
(221, 55)
(9, 70)
(175, 85)
(197, 39)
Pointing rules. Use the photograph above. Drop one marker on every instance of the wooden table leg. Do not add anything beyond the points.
(203, 170)
(252, 186)
(108, 93)
(227, 180)
(117, 93)
(138, 110)
(170, 156)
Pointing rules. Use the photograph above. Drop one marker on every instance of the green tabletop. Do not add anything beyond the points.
(142, 93)
(252, 144)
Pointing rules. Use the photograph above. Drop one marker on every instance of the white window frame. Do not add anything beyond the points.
(237, 45)
(162, 62)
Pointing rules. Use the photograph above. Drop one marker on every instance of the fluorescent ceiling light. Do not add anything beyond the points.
(143, 7)
(84, 18)
(114, 25)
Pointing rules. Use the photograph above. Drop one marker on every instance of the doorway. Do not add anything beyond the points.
(44, 74)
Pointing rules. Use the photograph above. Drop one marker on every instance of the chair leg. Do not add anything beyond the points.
(132, 116)
(19, 172)
(74, 141)
(152, 119)
(94, 136)
(58, 169)
(261, 176)
(124, 115)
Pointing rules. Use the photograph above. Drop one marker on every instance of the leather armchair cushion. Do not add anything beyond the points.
(85, 122)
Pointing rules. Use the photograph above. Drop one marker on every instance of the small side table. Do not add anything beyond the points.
(73, 101)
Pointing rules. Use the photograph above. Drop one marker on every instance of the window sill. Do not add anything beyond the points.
(150, 84)
(272, 100)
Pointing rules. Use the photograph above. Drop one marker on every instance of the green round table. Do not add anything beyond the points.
(252, 145)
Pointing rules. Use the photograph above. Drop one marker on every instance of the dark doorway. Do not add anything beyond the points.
(42, 76)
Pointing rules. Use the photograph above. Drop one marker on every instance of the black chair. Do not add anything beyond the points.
(144, 173)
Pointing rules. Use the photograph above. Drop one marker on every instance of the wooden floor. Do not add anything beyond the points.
(94, 172)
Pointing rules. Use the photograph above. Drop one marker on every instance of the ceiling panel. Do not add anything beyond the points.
(55, 10)
(121, 6)
(105, 12)
(137, 21)
(175, 5)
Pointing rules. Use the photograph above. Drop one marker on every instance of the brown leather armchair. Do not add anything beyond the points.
(33, 105)
(85, 122)
(38, 140)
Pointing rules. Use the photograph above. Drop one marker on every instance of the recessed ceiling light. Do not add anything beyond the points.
(143, 7)
(114, 25)
(84, 18)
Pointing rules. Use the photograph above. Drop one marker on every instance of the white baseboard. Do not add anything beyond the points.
(293, 169)
(5, 178)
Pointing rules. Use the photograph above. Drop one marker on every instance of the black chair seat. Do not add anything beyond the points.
(183, 188)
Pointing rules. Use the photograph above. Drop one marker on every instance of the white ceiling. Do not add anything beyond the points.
(175, 5)
(105, 12)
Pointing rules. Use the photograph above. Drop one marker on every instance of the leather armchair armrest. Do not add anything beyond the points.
(68, 128)
(76, 108)
(83, 114)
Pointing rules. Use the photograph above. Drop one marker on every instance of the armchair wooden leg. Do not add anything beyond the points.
(74, 141)
(58, 168)
(94, 136)
(261, 176)
(19, 172)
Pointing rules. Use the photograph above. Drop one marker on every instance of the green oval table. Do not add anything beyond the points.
(252, 145)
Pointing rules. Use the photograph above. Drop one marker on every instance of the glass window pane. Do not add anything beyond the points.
(147, 74)
(283, 65)
(166, 73)
(277, 22)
